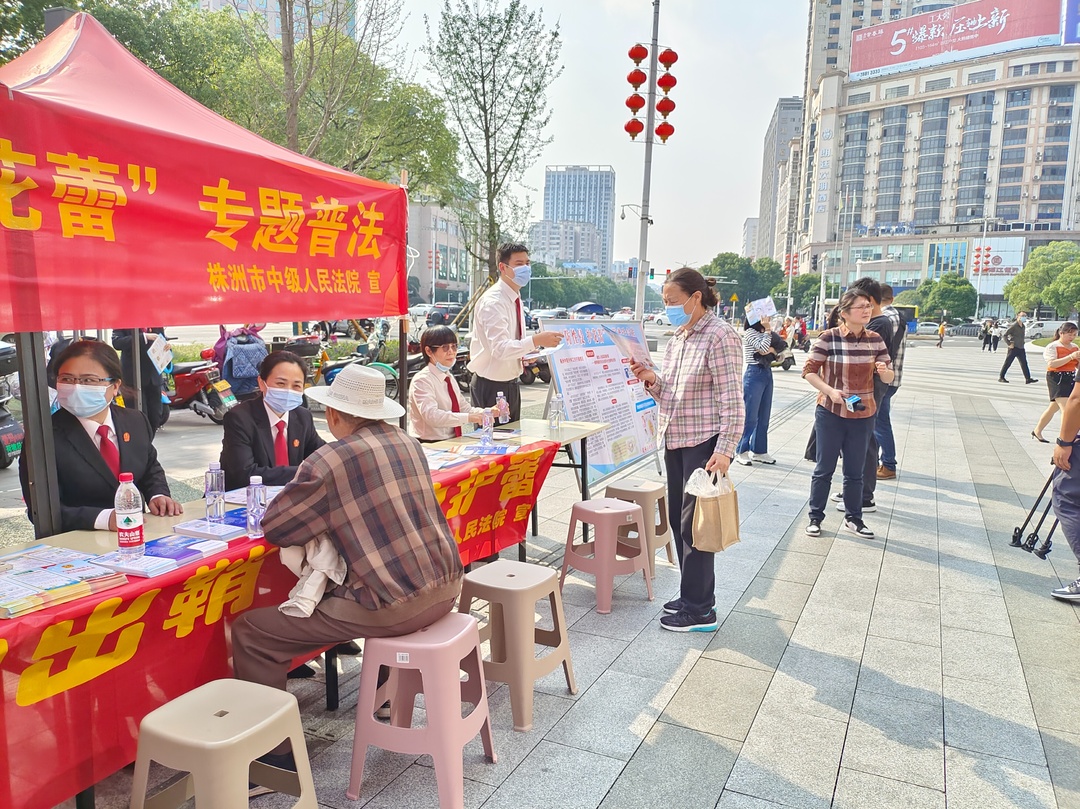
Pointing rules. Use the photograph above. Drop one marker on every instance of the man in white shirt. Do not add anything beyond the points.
(498, 334)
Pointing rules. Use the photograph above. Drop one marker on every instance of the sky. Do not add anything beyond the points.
(736, 59)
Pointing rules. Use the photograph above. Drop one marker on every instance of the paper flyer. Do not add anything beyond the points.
(756, 310)
(630, 347)
(160, 354)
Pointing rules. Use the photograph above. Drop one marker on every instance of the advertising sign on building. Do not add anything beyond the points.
(980, 28)
(1071, 33)
(996, 262)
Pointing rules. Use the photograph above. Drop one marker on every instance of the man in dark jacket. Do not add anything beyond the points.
(1014, 339)
(123, 341)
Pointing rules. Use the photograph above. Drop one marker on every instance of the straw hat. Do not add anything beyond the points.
(358, 391)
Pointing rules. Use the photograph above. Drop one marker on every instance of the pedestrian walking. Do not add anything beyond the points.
(940, 333)
(760, 347)
(1066, 488)
(1014, 340)
(1061, 357)
(842, 365)
(701, 418)
(996, 333)
(986, 334)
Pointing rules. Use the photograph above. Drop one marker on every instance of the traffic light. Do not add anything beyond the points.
(813, 263)
(630, 274)
(668, 272)
(652, 273)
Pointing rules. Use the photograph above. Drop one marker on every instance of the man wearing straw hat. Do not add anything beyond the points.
(370, 493)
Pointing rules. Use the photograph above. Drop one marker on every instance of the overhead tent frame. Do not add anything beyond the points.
(123, 203)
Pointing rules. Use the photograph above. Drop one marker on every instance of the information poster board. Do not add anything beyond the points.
(593, 377)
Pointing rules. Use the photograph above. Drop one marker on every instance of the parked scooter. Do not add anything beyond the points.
(11, 432)
(785, 359)
(198, 386)
(536, 370)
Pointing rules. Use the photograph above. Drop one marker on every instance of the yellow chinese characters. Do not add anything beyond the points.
(519, 478)
(282, 215)
(88, 194)
(224, 203)
(122, 629)
(10, 188)
(209, 590)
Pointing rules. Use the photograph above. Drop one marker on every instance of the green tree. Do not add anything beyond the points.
(493, 66)
(953, 294)
(1046, 263)
(1064, 293)
(804, 291)
(22, 23)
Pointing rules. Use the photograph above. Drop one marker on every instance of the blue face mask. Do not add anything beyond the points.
(522, 275)
(83, 401)
(444, 368)
(281, 400)
(677, 315)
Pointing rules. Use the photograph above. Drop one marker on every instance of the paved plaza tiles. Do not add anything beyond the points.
(925, 668)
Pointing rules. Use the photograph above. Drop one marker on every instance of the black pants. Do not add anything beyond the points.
(1020, 356)
(836, 435)
(698, 588)
(484, 393)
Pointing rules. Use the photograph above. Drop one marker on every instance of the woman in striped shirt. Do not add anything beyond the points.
(760, 347)
(841, 366)
(1061, 357)
(700, 420)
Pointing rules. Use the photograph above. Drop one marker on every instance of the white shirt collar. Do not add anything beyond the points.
(275, 418)
(92, 426)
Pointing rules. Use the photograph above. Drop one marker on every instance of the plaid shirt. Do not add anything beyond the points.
(371, 494)
(699, 387)
(846, 362)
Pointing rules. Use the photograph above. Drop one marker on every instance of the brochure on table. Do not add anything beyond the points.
(592, 373)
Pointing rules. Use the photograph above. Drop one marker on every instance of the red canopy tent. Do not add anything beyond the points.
(124, 202)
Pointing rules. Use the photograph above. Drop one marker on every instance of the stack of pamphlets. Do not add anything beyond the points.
(184, 549)
(143, 566)
(442, 459)
(203, 529)
(42, 576)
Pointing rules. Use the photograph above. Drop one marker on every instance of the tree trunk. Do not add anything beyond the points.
(288, 63)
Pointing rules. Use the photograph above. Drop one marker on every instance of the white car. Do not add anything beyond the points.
(623, 314)
(927, 327)
(662, 319)
(420, 310)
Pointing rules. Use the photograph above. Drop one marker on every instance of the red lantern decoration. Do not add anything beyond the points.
(665, 106)
(667, 58)
(665, 131)
(634, 127)
(636, 78)
(638, 53)
(635, 103)
(666, 82)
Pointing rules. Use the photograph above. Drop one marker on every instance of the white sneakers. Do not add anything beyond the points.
(747, 458)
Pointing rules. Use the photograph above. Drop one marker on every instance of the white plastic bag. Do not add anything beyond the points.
(716, 512)
(704, 484)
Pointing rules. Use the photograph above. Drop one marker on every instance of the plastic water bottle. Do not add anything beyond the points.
(503, 406)
(256, 507)
(128, 507)
(555, 414)
(215, 493)
(486, 427)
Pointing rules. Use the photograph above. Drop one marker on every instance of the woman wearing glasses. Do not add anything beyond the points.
(841, 366)
(95, 441)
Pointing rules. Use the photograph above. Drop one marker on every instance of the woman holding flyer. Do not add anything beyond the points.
(701, 418)
(760, 347)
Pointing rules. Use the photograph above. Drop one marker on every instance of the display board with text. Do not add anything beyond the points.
(592, 374)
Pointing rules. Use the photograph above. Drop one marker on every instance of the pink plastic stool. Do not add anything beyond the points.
(607, 515)
(429, 662)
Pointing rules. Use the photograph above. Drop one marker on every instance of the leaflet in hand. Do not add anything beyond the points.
(630, 347)
(756, 310)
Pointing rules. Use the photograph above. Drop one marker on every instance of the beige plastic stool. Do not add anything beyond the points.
(429, 661)
(215, 733)
(601, 556)
(512, 590)
(651, 495)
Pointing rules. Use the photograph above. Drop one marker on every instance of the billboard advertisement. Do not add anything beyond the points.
(974, 29)
(995, 262)
(1071, 33)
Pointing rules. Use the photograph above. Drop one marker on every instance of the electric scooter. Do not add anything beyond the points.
(198, 386)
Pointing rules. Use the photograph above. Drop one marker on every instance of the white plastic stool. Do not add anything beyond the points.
(214, 733)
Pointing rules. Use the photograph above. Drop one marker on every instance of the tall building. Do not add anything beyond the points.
(583, 194)
(924, 148)
(341, 12)
(786, 214)
(750, 237)
(786, 123)
(565, 242)
(444, 265)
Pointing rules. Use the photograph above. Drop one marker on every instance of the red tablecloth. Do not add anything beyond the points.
(78, 678)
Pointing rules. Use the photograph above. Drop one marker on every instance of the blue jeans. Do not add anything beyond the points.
(757, 398)
(883, 431)
(836, 435)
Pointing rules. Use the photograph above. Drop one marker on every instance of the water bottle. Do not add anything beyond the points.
(128, 507)
(486, 427)
(256, 507)
(503, 406)
(555, 414)
(215, 493)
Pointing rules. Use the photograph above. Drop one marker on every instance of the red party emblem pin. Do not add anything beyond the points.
(127, 437)
(296, 442)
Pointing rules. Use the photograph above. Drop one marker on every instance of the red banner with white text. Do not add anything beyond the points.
(124, 202)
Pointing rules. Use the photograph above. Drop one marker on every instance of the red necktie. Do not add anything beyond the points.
(109, 452)
(281, 446)
(520, 318)
(455, 405)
